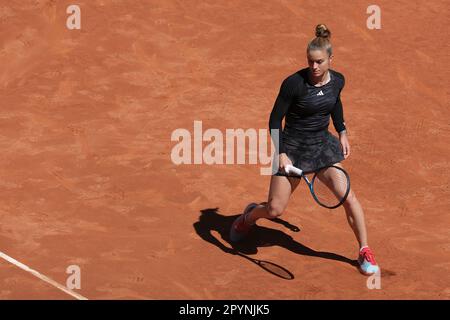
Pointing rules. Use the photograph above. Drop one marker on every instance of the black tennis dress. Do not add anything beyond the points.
(305, 137)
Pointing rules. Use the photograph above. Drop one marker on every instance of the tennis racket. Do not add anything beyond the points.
(329, 186)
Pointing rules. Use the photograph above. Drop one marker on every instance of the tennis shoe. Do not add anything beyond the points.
(367, 263)
(240, 228)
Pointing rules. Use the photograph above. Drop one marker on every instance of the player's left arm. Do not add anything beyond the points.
(337, 114)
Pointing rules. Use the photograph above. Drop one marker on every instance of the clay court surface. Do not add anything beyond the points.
(86, 176)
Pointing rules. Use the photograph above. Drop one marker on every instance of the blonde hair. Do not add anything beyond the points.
(322, 40)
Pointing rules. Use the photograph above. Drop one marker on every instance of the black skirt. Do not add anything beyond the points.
(311, 151)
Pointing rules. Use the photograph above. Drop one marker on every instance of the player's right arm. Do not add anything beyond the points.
(279, 111)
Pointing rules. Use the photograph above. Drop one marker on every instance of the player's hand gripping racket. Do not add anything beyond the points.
(329, 186)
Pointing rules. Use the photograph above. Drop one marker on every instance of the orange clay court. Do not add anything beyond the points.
(86, 174)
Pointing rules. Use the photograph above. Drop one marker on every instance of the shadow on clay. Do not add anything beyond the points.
(211, 220)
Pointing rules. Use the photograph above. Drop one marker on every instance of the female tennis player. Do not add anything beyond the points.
(306, 100)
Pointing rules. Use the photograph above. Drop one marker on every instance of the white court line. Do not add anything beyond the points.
(42, 277)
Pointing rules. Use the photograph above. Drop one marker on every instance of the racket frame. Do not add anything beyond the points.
(298, 173)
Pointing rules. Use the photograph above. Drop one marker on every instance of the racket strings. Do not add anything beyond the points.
(330, 186)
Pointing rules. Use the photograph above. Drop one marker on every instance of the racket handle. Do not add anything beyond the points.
(291, 169)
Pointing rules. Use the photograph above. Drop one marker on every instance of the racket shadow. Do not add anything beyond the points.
(211, 221)
(270, 267)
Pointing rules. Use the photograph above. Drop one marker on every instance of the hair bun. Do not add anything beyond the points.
(322, 31)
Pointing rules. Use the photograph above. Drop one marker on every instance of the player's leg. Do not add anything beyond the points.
(280, 190)
(353, 210)
(356, 220)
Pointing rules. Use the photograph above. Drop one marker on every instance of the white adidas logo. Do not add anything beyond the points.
(320, 93)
